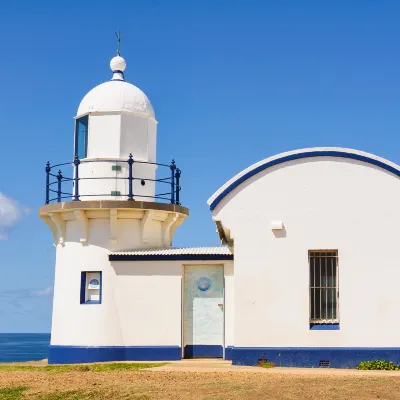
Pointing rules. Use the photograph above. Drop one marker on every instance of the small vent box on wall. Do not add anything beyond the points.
(324, 363)
(276, 225)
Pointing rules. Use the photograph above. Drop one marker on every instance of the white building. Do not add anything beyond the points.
(303, 226)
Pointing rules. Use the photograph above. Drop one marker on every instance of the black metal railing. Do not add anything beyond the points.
(63, 187)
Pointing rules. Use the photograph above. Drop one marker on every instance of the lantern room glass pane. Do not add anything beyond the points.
(81, 136)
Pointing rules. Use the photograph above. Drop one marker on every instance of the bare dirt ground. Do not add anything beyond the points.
(159, 383)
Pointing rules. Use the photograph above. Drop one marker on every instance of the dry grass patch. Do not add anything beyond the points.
(136, 384)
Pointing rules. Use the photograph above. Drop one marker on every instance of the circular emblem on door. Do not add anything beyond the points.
(203, 284)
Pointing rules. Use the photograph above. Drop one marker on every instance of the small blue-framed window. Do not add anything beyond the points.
(91, 287)
(81, 136)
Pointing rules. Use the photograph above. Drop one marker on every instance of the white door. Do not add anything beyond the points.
(203, 311)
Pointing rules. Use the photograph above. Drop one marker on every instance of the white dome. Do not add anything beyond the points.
(116, 96)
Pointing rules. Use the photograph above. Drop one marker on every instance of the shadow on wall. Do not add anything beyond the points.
(147, 268)
(280, 233)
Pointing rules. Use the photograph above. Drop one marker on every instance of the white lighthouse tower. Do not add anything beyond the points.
(118, 203)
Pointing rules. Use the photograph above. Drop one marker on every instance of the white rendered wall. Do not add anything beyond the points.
(138, 136)
(78, 324)
(229, 303)
(324, 203)
(148, 297)
(116, 181)
(104, 136)
(115, 136)
(141, 301)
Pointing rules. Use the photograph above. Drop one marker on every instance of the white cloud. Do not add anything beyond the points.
(43, 292)
(10, 213)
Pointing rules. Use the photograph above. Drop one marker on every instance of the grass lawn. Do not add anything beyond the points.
(117, 381)
(80, 367)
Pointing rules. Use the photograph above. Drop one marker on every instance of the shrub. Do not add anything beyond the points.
(265, 364)
(378, 365)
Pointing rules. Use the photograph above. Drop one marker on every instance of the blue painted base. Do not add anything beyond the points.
(76, 354)
(203, 351)
(338, 357)
(228, 352)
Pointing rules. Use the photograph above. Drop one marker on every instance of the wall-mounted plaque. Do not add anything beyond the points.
(94, 284)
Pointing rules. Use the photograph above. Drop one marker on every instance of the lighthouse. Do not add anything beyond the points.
(112, 195)
(299, 228)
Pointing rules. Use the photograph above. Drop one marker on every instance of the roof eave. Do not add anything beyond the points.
(170, 257)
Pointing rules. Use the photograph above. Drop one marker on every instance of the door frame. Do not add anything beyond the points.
(183, 303)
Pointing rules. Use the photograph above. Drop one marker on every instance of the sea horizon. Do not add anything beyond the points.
(22, 346)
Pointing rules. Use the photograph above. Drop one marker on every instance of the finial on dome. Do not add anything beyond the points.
(119, 37)
(118, 64)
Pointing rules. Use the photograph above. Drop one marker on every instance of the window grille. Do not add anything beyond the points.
(324, 289)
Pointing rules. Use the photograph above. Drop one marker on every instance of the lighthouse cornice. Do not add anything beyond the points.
(150, 215)
(118, 112)
(112, 204)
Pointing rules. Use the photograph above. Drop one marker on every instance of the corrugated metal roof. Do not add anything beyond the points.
(175, 251)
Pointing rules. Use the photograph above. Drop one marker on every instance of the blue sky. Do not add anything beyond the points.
(232, 82)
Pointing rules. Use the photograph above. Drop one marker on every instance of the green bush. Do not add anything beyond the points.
(265, 364)
(378, 365)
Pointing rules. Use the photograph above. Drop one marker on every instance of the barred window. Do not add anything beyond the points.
(324, 289)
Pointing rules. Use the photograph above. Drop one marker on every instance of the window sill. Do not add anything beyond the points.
(92, 302)
(324, 327)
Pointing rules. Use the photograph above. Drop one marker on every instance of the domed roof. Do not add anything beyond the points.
(116, 95)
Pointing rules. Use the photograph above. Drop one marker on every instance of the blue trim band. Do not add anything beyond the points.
(83, 287)
(298, 156)
(200, 350)
(101, 287)
(338, 357)
(117, 71)
(324, 327)
(77, 354)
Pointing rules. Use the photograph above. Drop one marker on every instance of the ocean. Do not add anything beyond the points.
(23, 346)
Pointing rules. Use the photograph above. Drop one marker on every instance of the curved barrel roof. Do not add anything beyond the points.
(340, 152)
